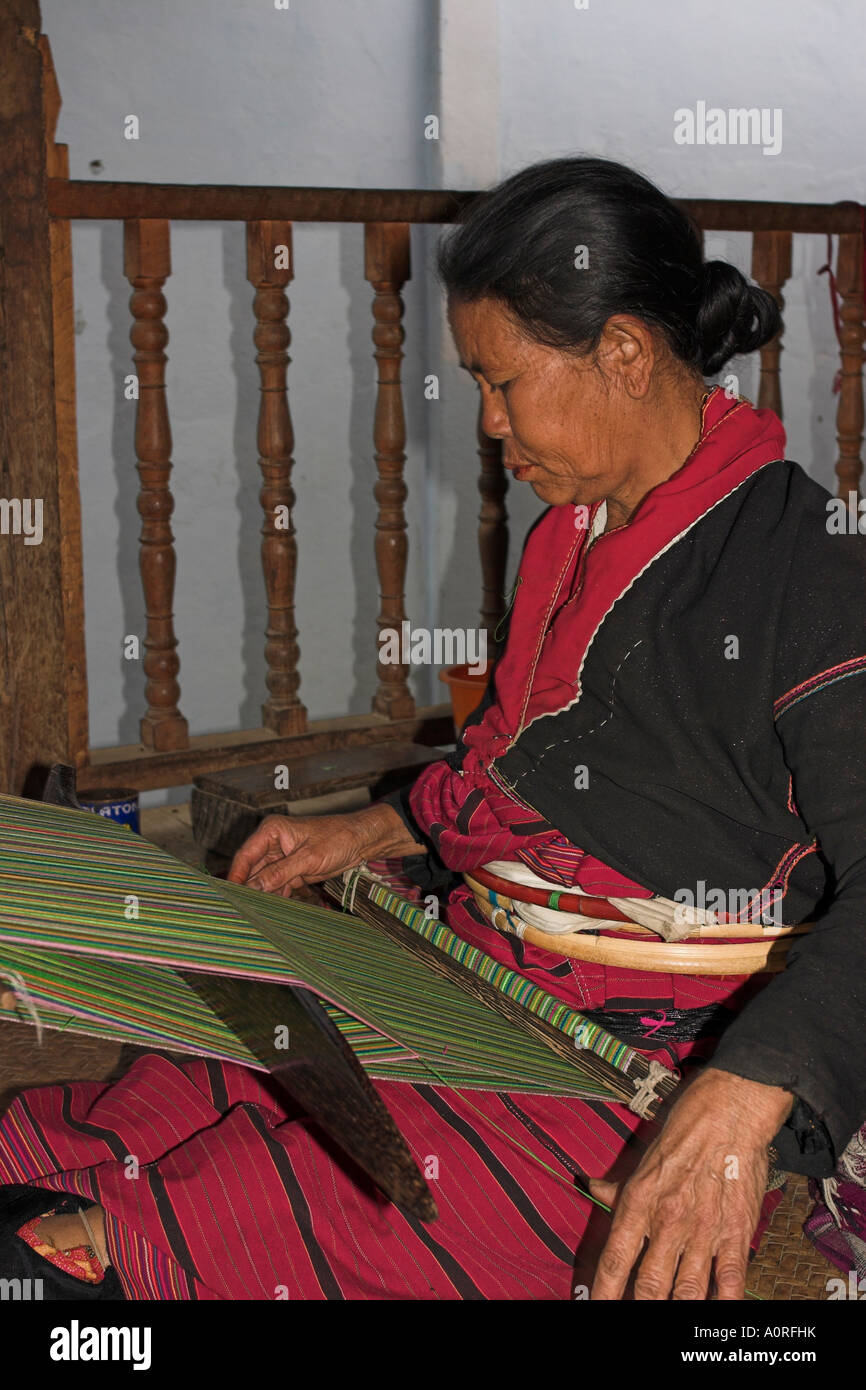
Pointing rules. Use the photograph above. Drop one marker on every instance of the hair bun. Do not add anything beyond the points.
(734, 316)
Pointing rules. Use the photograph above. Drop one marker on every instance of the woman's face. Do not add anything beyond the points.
(567, 428)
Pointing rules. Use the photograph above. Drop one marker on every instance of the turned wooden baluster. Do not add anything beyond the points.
(492, 532)
(771, 268)
(147, 265)
(269, 269)
(849, 415)
(386, 254)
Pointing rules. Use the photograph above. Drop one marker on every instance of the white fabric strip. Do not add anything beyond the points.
(669, 920)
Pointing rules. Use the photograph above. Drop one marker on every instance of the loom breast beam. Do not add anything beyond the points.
(147, 263)
(319, 1069)
(269, 269)
(622, 1080)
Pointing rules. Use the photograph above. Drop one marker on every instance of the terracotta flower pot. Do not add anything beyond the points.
(466, 690)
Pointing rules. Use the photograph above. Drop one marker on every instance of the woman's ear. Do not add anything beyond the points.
(627, 352)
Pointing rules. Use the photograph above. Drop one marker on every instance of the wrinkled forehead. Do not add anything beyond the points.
(484, 331)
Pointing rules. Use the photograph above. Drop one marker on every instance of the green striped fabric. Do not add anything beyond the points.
(93, 918)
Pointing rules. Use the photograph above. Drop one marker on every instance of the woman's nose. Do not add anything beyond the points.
(494, 416)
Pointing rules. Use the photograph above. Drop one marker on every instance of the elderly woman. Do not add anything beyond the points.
(679, 705)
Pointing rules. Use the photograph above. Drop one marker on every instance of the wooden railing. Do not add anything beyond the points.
(168, 754)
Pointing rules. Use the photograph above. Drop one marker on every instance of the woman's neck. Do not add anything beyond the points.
(674, 432)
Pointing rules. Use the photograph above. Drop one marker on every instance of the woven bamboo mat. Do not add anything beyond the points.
(788, 1266)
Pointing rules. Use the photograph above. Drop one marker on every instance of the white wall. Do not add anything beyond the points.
(607, 80)
(334, 92)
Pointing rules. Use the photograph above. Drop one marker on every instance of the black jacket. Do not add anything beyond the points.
(738, 771)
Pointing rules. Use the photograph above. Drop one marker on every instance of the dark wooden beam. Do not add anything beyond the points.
(226, 806)
(248, 203)
(80, 198)
(145, 770)
(34, 676)
(723, 215)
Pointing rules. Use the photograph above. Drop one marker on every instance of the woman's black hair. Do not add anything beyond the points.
(569, 242)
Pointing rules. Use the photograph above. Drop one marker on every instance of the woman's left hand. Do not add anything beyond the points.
(696, 1197)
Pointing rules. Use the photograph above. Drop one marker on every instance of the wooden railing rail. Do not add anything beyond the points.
(92, 199)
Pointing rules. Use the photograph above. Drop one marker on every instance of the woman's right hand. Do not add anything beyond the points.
(285, 852)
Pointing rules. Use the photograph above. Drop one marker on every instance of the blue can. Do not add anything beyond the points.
(120, 806)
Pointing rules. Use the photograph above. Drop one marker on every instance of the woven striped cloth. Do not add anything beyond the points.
(93, 919)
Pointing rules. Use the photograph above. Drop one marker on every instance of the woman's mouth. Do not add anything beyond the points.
(516, 462)
(521, 471)
(521, 468)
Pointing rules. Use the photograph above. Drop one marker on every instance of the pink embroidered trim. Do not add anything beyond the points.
(833, 674)
(78, 1261)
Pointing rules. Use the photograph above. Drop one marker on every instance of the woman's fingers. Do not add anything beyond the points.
(273, 877)
(604, 1191)
(693, 1276)
(287, 873)
(732, 1267)
(658, 1267)
(623, 1247)
(305, 865)
(253, 854)
(686, 1237)
(275, 838)
(285, 853)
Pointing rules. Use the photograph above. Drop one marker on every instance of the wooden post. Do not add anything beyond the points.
(849, 415)
(771, 268)
(492, 531)
(63, 313)
(269, 269)
(386, 247)
(147, 264)
(39, 639)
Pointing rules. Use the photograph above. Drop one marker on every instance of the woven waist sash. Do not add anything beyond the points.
(572, 924)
